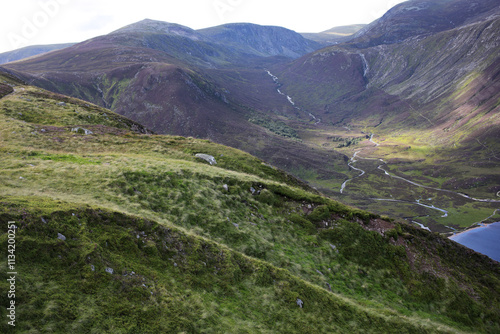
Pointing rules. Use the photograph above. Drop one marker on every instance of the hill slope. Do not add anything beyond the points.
(261, 40)
(120, 230)
(411, 101)
(430, 97)
(30, 51)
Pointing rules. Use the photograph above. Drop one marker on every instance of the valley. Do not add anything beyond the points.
(110, 216)
(251, 179)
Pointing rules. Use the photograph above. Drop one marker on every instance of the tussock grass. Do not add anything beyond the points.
(225, 248)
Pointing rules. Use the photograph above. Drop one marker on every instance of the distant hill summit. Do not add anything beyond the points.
(261, 40)
(30, 51)
(159, 27)
(334, 35)
(422, 17)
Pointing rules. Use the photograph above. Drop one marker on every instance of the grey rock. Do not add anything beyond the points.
(236, 225)
(300, 303)
(226, 187)
(109, 270)
(92, 267)
(44, 221)
(82, 131)
(208, 158)
(60, 236)
(61, 104)
(252, 190)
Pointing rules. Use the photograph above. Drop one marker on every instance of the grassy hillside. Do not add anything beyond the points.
(124, 231)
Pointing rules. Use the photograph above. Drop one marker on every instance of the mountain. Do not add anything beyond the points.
(173, 80)
(334, 35)
(422, 17)
(122, 230)
(400, 118)
(30, 51)
(431, 97)
(261, 40)
(148, 26)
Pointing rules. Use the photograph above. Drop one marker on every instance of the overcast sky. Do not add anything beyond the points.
(32, 22)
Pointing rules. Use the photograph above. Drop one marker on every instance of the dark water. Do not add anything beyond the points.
(484, 239)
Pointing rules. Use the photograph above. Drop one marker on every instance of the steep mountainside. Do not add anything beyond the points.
(156, 74)
(30, 51)
(261, 40)
(120, 230)
(432, 98)
(423, 17)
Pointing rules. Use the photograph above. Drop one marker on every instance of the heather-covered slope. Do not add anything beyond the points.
(261, 40)
(432, 101)
(121, 231)
(422, 18)
(30, 51)
(159, 74)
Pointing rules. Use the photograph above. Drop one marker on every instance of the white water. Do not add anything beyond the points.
(371, 140)
(365, 64)
(350, 165)
(422, 226)
(289, 98)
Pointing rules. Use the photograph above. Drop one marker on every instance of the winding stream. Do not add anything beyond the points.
(418, 202)
(350, 165)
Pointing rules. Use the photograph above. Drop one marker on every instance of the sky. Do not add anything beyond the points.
(36, 22)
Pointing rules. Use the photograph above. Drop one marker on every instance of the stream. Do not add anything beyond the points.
(418, 202)
(290, 100)
(351, 166)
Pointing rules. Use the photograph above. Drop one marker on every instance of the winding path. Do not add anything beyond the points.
(437, 189)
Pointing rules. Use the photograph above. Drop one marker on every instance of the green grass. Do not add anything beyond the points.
(225, 248)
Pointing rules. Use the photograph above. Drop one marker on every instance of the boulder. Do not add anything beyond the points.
(82, 131)
(208, 158)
